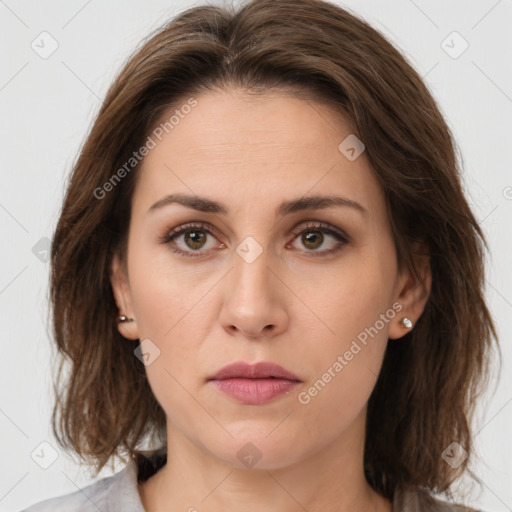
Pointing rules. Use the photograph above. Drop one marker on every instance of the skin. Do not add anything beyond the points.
(251, 153)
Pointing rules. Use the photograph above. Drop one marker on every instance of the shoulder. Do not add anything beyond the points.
(421, 500)
(116, 492)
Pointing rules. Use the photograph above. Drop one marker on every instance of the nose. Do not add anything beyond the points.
(254, 298)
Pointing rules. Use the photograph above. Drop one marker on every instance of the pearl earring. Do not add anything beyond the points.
(406, 323)
(123, 318)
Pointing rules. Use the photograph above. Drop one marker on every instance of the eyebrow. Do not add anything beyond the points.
(203, 204)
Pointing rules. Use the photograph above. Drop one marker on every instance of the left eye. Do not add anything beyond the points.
(313, 238)
(195, 235)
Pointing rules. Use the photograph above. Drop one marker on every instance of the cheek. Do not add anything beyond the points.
(356, 312)
(162, 292)
(352, 297)
(172, 313)
(175, 375)
(342, 377)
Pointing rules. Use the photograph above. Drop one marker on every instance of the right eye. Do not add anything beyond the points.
(194, 237)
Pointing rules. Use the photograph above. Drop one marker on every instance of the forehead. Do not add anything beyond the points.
(258, 148)
(231, 122)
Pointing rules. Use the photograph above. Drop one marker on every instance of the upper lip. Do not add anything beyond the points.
(260, 370)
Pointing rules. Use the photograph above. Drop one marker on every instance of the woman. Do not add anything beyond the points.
(266, 278)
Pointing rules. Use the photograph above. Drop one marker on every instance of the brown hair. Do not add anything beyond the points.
(425, 395)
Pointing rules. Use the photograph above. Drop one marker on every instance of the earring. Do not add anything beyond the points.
(122, 318)
(406, 323)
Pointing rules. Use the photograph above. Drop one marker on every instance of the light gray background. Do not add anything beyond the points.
(47, 107)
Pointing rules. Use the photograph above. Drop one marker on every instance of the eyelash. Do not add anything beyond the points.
(319, 226)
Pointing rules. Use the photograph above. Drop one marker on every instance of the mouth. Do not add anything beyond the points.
(262, 370)
(254, 384)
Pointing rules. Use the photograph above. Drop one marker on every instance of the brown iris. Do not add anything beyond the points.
(198, 238)
(312, 237)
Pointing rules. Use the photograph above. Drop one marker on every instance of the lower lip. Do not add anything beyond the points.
(254, 391)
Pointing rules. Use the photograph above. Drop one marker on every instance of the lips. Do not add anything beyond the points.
(255, 384)
(262, 370)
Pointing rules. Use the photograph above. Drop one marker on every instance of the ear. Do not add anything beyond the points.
(412, 292)
(122, 294)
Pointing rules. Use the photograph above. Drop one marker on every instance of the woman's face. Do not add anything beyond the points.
(314, 290)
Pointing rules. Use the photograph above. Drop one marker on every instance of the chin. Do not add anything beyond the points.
(258, 452)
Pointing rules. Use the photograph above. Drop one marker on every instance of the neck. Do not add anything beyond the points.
(330, 479)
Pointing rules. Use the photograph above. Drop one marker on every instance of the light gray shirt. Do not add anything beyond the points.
(119, 493)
